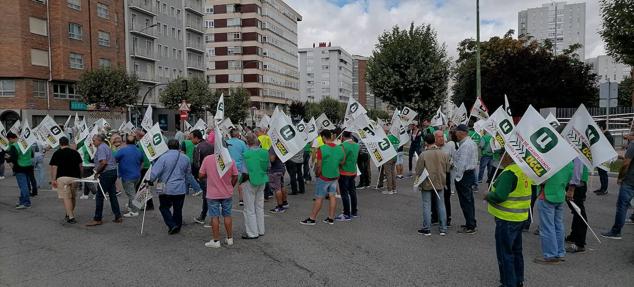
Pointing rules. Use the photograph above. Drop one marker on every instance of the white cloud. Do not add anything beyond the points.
(356, 25)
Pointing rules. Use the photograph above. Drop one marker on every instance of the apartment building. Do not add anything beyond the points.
(325, 72)
(608, 69)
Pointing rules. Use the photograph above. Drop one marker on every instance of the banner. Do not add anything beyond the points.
(147, 122)
(153, 143)
(421, 178)
(586, 137)
(15, 129)
(375, 139)
(67, 124)
(399, 130)
(479, 110)
(287, 141)
(82, 131)
(478, 127)
(223, 161)
(127, 127)
(323, 123)
(220, 110)
(4, 141)
(503, 124)
(51, 132)
(90, 147)
(552, 120)
(439, 119)
(537, 148)
(301, 129)
(264, 122)
(144, 193)
(27, 138)
(407, 116)
(353, 110)
(201, 126)
(311, 130)
(460, 115)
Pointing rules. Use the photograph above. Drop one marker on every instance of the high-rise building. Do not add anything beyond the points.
(164, 42)
(563, 24)
(46, 46)
(360, 89)
(252, 44)
(608, 69)
(325, 72)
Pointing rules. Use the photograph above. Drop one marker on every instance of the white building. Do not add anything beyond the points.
(325, 72)
(608, 70)
(563, 24)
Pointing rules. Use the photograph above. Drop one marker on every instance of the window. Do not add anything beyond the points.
(172, 11)
(104, 63)
(38, 26)
(235, 78)
(74, 4)
(164, 30)
(209, 23)
(209, 38)
(234, 36)
(178, 12)
(39, 88)
(64, 91)
(74, 31)
(40, 1)
(211, 52)
(102, 11)
(165, 51)
(180, 36)
(231, 8)
(76, 61)
(236, 50)
(233, 22)
(180, 54)
(103, 39)
(174, 33)
(234, 65)
(39, 57)
(209, 10)
(174, 53)
(7, 88)
(164, 10)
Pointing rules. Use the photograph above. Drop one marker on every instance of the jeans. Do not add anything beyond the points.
(508, 247)
(440, 205)
(603, 178)
(295, 172)
(626, 193)
(551, 228)
(23, 183)
(485, 162)
(412, 149)
(579, 229)
(130, 191)
(390, 172)
(465, 197)
(173, 219)
(193, 183)
(32, 181)
(1, 169)
(447, 199)
(204, 209)
(253, 197)
(348, 194)
(306, 165)
(107, 180)
(363, 161)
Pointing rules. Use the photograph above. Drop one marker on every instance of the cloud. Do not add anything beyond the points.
(356, 24)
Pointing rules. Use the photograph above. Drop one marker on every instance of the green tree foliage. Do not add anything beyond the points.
(297, 110)
(378, 114)
(409, 67)
(237, 104)
(626, 88)
(618, 32)
(113, 88)
(526, 71)
(312, 110)
(335, 110)
(193, 90)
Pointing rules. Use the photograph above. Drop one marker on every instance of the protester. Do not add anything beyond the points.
(348, 172)
(577, 194)
(187, 147)
(449, 149)
(626, 194)
(65, 169)
(306, 166)
(219, 196)
(486, 157)
(265, 143)
(22, 165)
(276, 182)
(603, 174)
(399, 162)
(171, 171)
(294, 166)
(179, 136)
(508, 202)
(465, 162)
(363, 162)
(139, 133)
(106, 172)
(37, 179)
(389, 168)
(87, 170)
(416, 139)
(329, 158)
(254, 178)
(2, 161)
(236, 148)
(202, 150)
(438, 164)
(130, 161)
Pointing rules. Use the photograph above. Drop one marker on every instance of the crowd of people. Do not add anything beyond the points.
(455, 157)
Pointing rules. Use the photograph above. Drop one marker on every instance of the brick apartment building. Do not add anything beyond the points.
(46, 46)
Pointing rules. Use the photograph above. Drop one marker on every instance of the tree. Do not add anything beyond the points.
(625, 92)
(193, 90)
(378, 114)
(410, 67)
(526, 71)
(113, 88)
(335, 110)
(312, 110)
(237, 104)
(618, 31)
(297, 110)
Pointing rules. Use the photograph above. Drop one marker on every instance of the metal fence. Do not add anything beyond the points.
(619, 120)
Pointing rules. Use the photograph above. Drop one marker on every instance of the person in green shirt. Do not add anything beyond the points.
(253, 180)
(389, 168)
(348, 173)
(486, 156)
(187, 147)
(22, 166)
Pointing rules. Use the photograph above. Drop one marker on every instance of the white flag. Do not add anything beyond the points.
(90, 147)
(301, 129)
(439, 119)
(507, 106)
(220, 110)
(353, 110)
(586, 137)
(460, 115)
(128, 127)
(537, 148)
(188, 126)
(366, 130)
(67, 124)
(147, 122)
(479, 110)
(311, 130)
(407, 115)
(264, 122)
(51, 132)
(27, 137)
(82, 131)
(76, 121)
(153, 143)
(201, 126)
(223, 160)
(226, 125)
(15, 129)
(399, 130)
(379, 146)
(421, 178)
(503, 125)
(323, 123)
(287, 141)
(552, 120)
(478, 127)
(4, 141)
(144, 193)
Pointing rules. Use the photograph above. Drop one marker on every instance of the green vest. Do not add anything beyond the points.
(257, 163)
(330, 159)
(555, 187)
(516, 206)
(24, 159)
(189, 149)
(351, 150)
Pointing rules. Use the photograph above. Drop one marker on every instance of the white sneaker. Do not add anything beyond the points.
(207, 225)
(131, 214)
(394, 191)
(2, 177)
(386, 192)
(197, 193)
(229, 241)
(212, 244)
(83, 196)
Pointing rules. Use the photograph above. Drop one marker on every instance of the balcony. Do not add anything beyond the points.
(195, 27)
(143, 31)
(143, 6)
(147, 54)
(196, 46)
(194, 6)
(146, 78)
(195, 65)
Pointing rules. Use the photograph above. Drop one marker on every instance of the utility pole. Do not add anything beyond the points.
(478, 82)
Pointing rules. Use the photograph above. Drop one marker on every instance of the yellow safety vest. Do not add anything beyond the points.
(518, 203)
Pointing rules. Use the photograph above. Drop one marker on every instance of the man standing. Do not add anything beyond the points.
(171, 169)
(438, 165)
(22, 165)
(509, 202)
(276, 178)
(294, 166)
(577, 194)
(328, 160)
(389, 168)
(449, 149)
(65, 169)
(306, 166)
(415, 145)
(486, 152)
(106, 172)
(187, 147)
(202, 150)
(254, 178)
(465, 163)
(626, 194)
(236, 148)
(348, 173)
(603, 174)
(363, 161)
(130, 161)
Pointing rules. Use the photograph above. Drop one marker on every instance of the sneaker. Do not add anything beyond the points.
(467, 230)
(118, 192)
(329, 221)
(229, 241)
(424, 232)
(442, 233)
(278, 209)
(241, 203)
(547, 261)
(343, 217)
(131, 214)
(285, 204)
(22, 206)
(386, 192)
(355, 215)
(338, 196)
(629, 221)
(573, 248)
(360, 187)
(213, 244)
(2, 177)
(611, 235)
(71, 221)
(601, 192)
(84, 196)
(197, 193)
(400, 176)
(307, 221)
(207, 225)
(199, 220)
(394, 191)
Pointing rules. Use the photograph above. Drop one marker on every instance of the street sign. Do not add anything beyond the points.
(184, 115)
(608, 94)
(184, 106)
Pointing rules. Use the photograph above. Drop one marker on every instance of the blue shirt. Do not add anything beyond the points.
(130, 160)
(105, 153)
(236, 148)
(175, 184)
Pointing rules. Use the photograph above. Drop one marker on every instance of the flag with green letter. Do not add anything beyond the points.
(586, 137)
(287, 141)
(153, 143)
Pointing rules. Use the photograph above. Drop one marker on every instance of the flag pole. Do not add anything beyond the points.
(578, 211)
(432, 186)
(379, 177)
(496, 171)
(144, 208)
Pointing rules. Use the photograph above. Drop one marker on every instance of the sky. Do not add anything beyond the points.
(355, 24)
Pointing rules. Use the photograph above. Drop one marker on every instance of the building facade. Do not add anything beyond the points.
(46, 46)
(561, 23)
(325, 72)
(360, 88)
(608, 69)
(252, 44)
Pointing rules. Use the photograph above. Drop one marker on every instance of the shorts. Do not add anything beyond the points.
(324, 188)
(66, 187)
(216, 207)
(275, 181)
(399, 157)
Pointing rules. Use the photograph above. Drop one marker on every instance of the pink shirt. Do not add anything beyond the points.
(217, 187)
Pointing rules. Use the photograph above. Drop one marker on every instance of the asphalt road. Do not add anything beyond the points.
(379, 248)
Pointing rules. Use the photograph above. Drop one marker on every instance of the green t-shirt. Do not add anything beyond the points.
(351, 149)
(189, 149)
(485, 149)
(555, 187)
(256, 161)
(331, 157)
(474, 136)
(24, 159)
